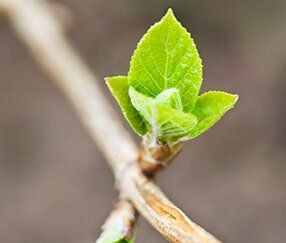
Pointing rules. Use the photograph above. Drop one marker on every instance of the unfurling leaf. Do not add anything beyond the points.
(170, 97)
(163, 120)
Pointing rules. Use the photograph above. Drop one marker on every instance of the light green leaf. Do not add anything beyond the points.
(210, 107)
(164, 121)
(119, 88)
(170, 97)
(166, 57)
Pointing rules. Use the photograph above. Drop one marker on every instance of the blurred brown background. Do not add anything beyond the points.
(55, 186)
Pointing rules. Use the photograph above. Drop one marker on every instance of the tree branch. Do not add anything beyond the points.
(37, 27)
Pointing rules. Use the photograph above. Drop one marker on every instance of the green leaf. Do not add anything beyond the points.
(119, 88)
(166, 57)
(210, 107)
(170, 97)
(164, 121)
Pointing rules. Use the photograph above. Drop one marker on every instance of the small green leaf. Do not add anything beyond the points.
(170, 97)
(166, 57)
(119, 88)
(164, 121)
(210, 107)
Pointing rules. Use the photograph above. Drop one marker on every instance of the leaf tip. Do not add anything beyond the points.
(170, 14)
(235, 98)
(107, 79)
(170, 11)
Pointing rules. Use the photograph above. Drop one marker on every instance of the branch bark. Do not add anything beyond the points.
(37, 27)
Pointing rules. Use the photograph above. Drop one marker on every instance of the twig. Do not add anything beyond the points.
(35, 24)
(119, 225)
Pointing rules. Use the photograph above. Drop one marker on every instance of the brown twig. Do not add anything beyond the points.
(36, 25)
